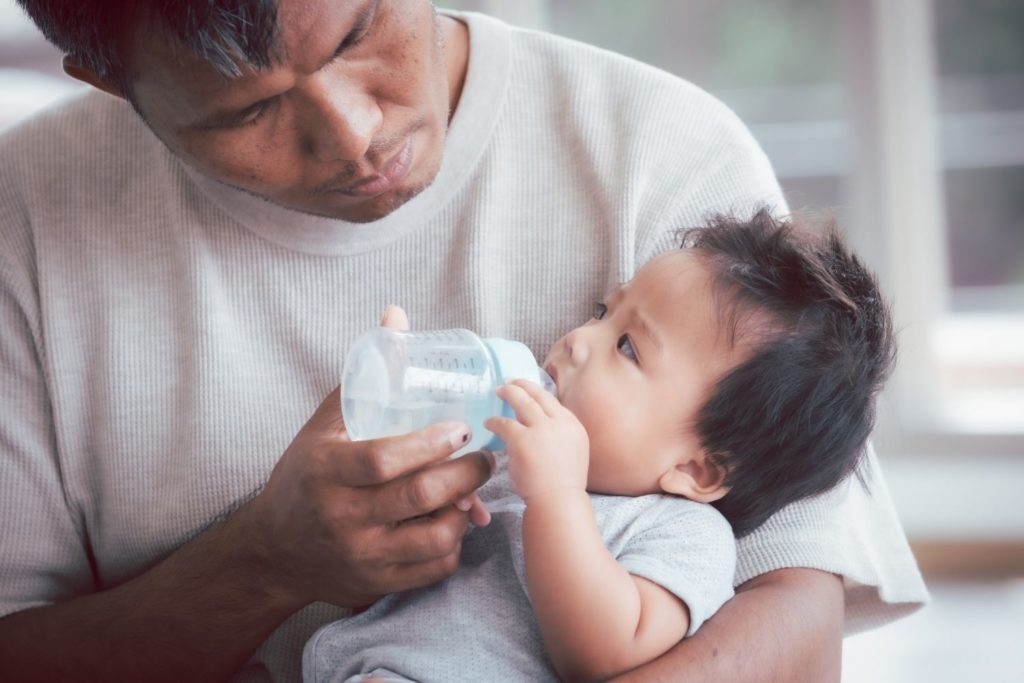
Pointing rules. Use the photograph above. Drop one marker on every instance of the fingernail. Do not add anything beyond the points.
(458, 437)
(464, 504)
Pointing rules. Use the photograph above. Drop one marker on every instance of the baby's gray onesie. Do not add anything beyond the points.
(478, 624)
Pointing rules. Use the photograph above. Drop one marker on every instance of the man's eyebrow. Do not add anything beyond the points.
(359, 26)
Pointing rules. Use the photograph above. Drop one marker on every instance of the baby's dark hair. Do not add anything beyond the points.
(793, 419)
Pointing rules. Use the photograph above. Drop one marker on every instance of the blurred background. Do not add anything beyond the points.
(906, 119)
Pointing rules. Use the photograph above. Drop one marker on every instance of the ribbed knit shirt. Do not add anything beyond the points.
(163, 337)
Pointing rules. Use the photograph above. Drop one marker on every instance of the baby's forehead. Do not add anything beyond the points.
(688, 283)
(678, 272)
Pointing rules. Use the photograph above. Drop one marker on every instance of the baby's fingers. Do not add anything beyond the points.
(548, 403)
(504, 427)
(526, 408)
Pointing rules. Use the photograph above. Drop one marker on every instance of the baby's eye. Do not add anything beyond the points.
(600, 310)
(626, 347)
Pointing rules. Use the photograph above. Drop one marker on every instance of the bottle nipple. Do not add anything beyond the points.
(544, 379)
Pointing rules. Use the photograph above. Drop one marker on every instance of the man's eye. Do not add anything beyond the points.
(248, 117)
(252, 117)
(625, 346)
(600, 310)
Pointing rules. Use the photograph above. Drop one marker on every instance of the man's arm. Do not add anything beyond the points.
(786, 625)
(339, 521)
(196, 616)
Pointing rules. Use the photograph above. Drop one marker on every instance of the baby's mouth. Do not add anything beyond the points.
(552, 372)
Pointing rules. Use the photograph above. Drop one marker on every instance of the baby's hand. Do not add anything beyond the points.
(548, 447)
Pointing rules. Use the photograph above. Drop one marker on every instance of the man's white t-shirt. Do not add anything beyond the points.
(165, 336)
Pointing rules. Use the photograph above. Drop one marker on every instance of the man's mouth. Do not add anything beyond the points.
(389, 175)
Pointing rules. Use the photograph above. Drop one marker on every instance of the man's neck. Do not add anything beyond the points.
(456, 54)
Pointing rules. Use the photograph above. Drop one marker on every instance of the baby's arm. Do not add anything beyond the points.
(597, 620)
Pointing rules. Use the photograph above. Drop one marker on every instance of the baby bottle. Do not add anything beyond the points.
(396, 382)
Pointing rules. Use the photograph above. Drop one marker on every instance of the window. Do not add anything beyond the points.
(907, 119)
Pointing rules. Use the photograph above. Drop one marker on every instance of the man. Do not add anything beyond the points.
(183, 264)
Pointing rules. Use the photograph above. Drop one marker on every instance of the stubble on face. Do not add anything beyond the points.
(247, 161)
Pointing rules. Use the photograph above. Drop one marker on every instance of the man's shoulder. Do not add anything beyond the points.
(89, 147)
(647, 118)
(82, 125)
(586, 71)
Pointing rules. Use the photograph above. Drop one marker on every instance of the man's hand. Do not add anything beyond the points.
(339, 520)
(547, 445)
(348, 521)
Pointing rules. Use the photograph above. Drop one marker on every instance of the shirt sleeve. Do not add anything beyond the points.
(734, 177)
(42, 551)
(852, 531)
(686, 548)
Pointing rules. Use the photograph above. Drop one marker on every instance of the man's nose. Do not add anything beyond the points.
(344, 119)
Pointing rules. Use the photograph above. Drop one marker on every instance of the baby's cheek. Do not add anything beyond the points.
(593, 411)
(611, 425)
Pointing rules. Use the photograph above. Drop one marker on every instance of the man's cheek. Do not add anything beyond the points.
(243, 160)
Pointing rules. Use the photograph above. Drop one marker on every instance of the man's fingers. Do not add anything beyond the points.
(479, 515)
(427, 538)
(378, 461)
(430, 489)
(395, 318)
(411, 576)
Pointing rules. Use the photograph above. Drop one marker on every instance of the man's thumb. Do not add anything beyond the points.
(395, 318)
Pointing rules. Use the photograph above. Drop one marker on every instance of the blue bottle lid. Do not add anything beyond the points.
(514, 360)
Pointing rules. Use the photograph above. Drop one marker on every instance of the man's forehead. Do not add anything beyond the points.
(302, 28)
(171, 74)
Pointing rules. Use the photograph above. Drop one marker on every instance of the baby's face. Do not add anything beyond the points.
(637, 373)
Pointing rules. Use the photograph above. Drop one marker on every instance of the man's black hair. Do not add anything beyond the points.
(793, 419)
(224, 33)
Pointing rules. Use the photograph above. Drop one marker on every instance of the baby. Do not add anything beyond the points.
(725, 380)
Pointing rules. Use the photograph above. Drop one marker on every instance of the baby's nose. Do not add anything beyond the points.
(576, 346)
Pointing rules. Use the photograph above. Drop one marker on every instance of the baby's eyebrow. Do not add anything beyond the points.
(637, 319)
(648, 332)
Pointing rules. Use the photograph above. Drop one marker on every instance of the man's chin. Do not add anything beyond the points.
(373, 209)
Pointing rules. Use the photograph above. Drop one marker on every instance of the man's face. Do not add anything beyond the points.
(349, 123)
(637, 374)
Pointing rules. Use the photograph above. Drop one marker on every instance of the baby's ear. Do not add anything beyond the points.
(696, 478)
